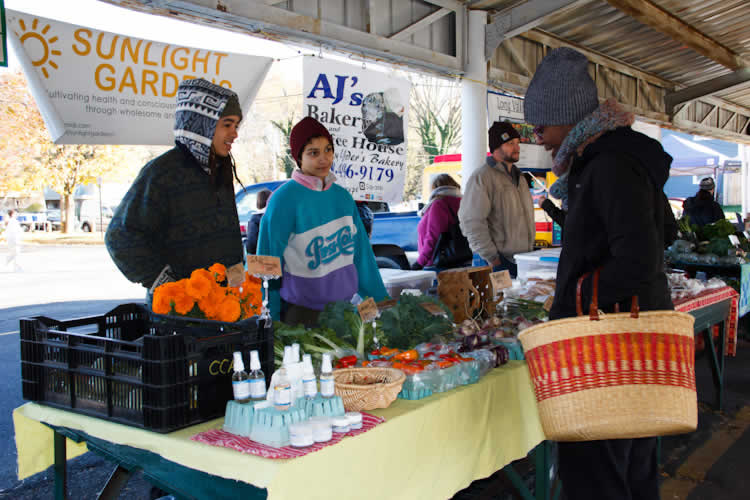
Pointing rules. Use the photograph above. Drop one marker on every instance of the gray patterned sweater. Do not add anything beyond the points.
(174, 214)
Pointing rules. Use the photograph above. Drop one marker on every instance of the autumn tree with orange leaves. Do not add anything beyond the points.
(29, 160)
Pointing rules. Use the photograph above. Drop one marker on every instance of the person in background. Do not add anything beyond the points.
(365, 213)
(180, 215)
(440, 213)
(702, 208)
(313, 226)
(615, 222)
(253, 225)
(13, 235)
(497, 212)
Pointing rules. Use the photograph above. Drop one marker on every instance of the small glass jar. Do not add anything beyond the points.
(340, 424)
(355, 420)
(301, 434)
(321, 427)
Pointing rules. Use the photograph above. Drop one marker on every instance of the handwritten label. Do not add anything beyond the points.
(433, 309)
(263, 265)
(236, 274)
(548, 303)
(368, 310)
(500, 281)
(387, 304)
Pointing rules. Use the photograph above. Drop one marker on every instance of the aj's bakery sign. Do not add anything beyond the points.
(96, 87)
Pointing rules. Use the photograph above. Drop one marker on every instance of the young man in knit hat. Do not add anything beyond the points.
(497, 212)
(702, 208)
(615, 222)
(180, 215)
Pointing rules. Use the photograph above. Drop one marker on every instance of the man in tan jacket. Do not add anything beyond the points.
(497, 212)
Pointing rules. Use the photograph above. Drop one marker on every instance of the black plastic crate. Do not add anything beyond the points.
(131, 366)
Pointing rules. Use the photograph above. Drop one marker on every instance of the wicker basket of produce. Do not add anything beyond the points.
(614, 376)
(368, 388)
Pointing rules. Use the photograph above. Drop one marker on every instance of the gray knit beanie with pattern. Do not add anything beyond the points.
(561, 91)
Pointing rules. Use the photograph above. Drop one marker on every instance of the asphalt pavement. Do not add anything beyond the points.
(61, 282)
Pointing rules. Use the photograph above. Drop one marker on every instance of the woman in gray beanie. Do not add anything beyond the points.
(615, 223)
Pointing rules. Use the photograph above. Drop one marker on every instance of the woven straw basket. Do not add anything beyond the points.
(368, 388)
(619, 376)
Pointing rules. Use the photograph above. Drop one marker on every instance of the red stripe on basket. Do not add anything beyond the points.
(608, 360)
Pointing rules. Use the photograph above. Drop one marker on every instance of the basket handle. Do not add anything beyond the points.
(594, 306)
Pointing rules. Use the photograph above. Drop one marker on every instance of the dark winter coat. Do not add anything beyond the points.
(615, 221)
(253, 227)
(702, 212)
(176, 214)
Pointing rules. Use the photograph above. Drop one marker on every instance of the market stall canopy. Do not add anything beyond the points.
(679, 63)
(686, 158)
(95, 87)
(697, 156)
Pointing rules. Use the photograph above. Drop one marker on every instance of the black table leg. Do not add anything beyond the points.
(60, 467)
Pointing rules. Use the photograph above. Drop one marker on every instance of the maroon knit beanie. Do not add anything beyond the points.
(306, 129)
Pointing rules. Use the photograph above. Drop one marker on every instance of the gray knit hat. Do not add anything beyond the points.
(561, 91)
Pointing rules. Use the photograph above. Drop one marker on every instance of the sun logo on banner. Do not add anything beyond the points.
(38, 46)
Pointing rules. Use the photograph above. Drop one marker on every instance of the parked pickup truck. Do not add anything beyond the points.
(394, 234)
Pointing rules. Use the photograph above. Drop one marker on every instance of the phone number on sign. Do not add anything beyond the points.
(363, 172)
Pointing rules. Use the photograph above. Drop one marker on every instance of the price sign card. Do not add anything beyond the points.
(368, 310)
(387, 304)
(264, 265)
(433, 309)
(236, 274)
(500, 281)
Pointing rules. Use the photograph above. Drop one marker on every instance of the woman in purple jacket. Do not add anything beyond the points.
(438, 216)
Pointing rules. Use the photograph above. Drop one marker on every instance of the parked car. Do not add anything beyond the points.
(394, 234)
(89, 220)
(54, 219)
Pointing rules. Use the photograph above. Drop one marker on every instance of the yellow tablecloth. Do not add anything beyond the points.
(429, 448)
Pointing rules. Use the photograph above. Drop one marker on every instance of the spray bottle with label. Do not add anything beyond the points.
(240, 382)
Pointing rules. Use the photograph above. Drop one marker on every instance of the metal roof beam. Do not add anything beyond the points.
(254, 16)
(521, 18)
(739, 77)
(421, 24)
(447, 4)
(662, 21)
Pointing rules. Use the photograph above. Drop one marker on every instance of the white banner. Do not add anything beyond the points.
(366, 112)
(95, 87)
(502, 107)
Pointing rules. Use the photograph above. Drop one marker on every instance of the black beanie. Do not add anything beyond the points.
(500, 133)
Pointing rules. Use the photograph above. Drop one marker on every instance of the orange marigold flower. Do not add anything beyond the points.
(219, 272)
(229, 310)
(161, 302)
(182, 302)
(199, 285)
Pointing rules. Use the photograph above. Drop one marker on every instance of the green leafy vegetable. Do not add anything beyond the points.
(407, 323)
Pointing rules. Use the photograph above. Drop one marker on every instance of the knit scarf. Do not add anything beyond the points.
(439, 193)
(609, 116)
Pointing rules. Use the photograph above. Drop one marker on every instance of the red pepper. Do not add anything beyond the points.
(348, 361)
